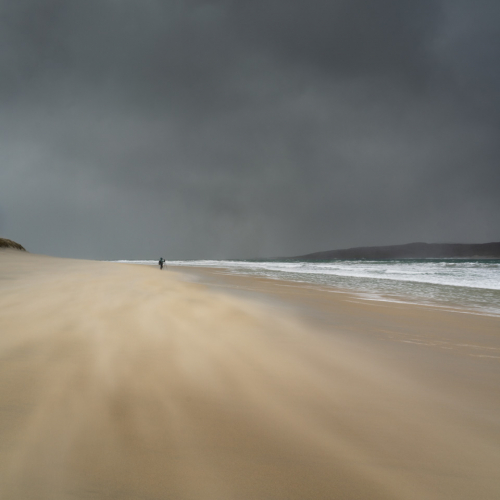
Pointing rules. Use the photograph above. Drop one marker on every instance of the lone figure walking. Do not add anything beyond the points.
(161, 262)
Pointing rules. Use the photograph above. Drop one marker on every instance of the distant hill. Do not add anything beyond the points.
(5, 243)
(410, 251)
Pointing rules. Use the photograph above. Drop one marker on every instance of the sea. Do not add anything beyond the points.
(471, 286)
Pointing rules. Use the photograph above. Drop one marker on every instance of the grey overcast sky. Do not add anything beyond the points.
(133, 129)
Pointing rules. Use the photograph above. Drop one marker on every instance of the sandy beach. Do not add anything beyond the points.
(121, 381)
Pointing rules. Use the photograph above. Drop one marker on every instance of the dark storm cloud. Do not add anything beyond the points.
(224, 128)
(352, 37)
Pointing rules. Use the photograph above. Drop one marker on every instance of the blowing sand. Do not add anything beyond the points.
(121, 381)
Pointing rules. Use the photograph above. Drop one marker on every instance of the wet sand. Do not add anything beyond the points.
(121, 381)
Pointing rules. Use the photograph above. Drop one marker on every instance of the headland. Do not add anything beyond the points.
(409, 251)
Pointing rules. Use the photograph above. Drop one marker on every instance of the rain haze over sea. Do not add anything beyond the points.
(472, 285)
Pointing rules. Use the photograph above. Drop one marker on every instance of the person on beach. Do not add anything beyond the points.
(161, 262)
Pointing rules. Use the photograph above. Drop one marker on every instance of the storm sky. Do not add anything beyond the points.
(134, 129)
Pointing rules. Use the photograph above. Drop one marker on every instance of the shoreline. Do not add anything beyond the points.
(360, 294)
(471, 288)
(122, 381)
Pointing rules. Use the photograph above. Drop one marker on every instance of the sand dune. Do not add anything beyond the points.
(6, 243)
(121, 381)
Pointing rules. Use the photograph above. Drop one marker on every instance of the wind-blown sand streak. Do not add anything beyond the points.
(120, 381)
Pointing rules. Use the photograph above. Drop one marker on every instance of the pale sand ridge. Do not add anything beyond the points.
(121, 381)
